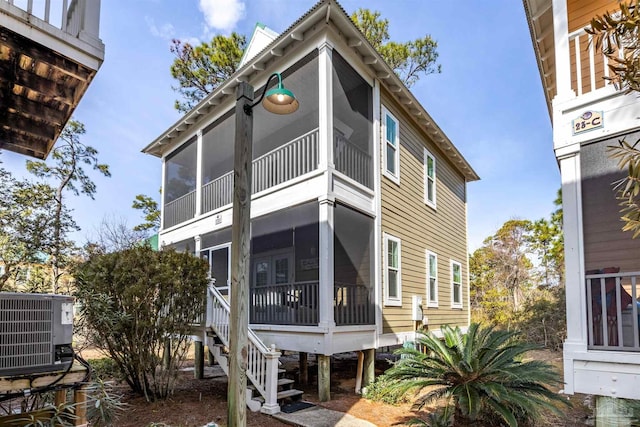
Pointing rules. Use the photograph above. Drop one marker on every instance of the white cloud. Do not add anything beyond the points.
(222, 15)
(166, 31)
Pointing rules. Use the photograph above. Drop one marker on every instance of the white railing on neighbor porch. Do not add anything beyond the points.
(289, 161)
(352, 161)
(614, 324)
(581, 41)
(262, 362)
(71, 16)
(180, 209)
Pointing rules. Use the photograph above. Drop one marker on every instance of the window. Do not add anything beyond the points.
(429, 179)
(432, 279)
(391, 129)
(392, 278)
(456, 284)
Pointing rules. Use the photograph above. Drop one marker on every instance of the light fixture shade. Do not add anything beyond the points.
(280, 101)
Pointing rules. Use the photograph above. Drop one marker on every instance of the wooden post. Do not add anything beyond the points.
(61, 397)
(369, 366)
(304, 368)
(80, 399)
(240, 241)
(359, 372)
(198, 372)
(324, 378)
(210, 358)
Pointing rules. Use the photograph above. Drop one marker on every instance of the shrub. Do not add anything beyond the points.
(480, 374)
(137, 300)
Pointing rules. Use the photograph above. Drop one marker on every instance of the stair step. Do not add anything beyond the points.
(281, 371)
(292, 393)
(284, 382)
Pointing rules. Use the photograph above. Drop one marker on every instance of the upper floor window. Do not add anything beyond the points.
(432, 279)
(429, 179)
(392, 279)
(456, 284)
(391, 132)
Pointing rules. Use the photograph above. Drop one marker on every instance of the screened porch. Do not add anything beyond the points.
(285, 285)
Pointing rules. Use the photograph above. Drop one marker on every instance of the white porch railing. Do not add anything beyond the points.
(180, 209)
(262, 362)
(613, 325)
(597, 65)
(352, 161)
(71, 16)
(289, 161)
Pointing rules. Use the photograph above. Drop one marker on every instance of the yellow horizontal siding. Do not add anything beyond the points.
(442, 231)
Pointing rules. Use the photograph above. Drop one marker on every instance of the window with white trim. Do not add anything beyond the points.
(456, 284)
(392, 271)
(429, 179)
(391, 136)
(432, 279)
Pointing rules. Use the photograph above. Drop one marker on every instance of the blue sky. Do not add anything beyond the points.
(488, 99)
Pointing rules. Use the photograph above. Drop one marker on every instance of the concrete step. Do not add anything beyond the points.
(292, 394)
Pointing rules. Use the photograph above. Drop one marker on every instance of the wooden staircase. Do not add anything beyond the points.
(268, 388)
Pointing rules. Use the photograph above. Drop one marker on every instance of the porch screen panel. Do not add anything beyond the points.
(284, 267)
(286, 146)
(217, 163)
(352, 122)
(353, 264)
(180, 184)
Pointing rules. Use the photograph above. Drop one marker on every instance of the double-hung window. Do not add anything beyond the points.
(391, 133)
(456, 284)
(392, 276)
(432, 279)
(429, 179)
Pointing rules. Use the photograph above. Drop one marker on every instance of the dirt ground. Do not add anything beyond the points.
(197, 402)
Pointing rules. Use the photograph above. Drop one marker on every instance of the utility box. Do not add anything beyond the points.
(36, 332)
(416, 307)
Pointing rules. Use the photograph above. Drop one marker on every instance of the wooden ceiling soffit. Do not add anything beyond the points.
(28, 126)
(17, 142)
(48, 88)
(27, 107)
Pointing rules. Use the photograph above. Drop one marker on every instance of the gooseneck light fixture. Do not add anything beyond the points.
(278, 100)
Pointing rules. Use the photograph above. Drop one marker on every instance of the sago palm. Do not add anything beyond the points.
(481, 374)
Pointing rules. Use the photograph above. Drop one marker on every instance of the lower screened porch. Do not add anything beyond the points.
(299, 279)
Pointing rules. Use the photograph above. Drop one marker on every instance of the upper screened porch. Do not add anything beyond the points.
(198, 175)
(49, 53)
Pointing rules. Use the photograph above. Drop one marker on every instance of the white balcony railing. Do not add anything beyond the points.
(74, 17)
(613, 325)
(179, 210)
(589, 67)
(289, 161)
(352, 161)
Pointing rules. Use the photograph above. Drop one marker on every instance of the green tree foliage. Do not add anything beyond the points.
(28, 214)
(612, 32)
(149, 208)
(501, 272)
(70, 156)
(133, 302)
(547, 243)
(410, 59)
(200, 69)
(482, 376)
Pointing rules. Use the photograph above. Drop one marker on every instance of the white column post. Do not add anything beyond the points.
(199, 173)
(325, 119)
(90, 22)
(561, 41)
(575, 288)
(270, 405)
(162, 192)
(325, 287)
(377, 105)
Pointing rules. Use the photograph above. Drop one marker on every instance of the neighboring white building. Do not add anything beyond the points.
(602, 349)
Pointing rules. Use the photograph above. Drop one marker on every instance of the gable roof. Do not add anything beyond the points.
(325, 11)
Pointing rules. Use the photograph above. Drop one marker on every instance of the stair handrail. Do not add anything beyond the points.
(262, 363)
